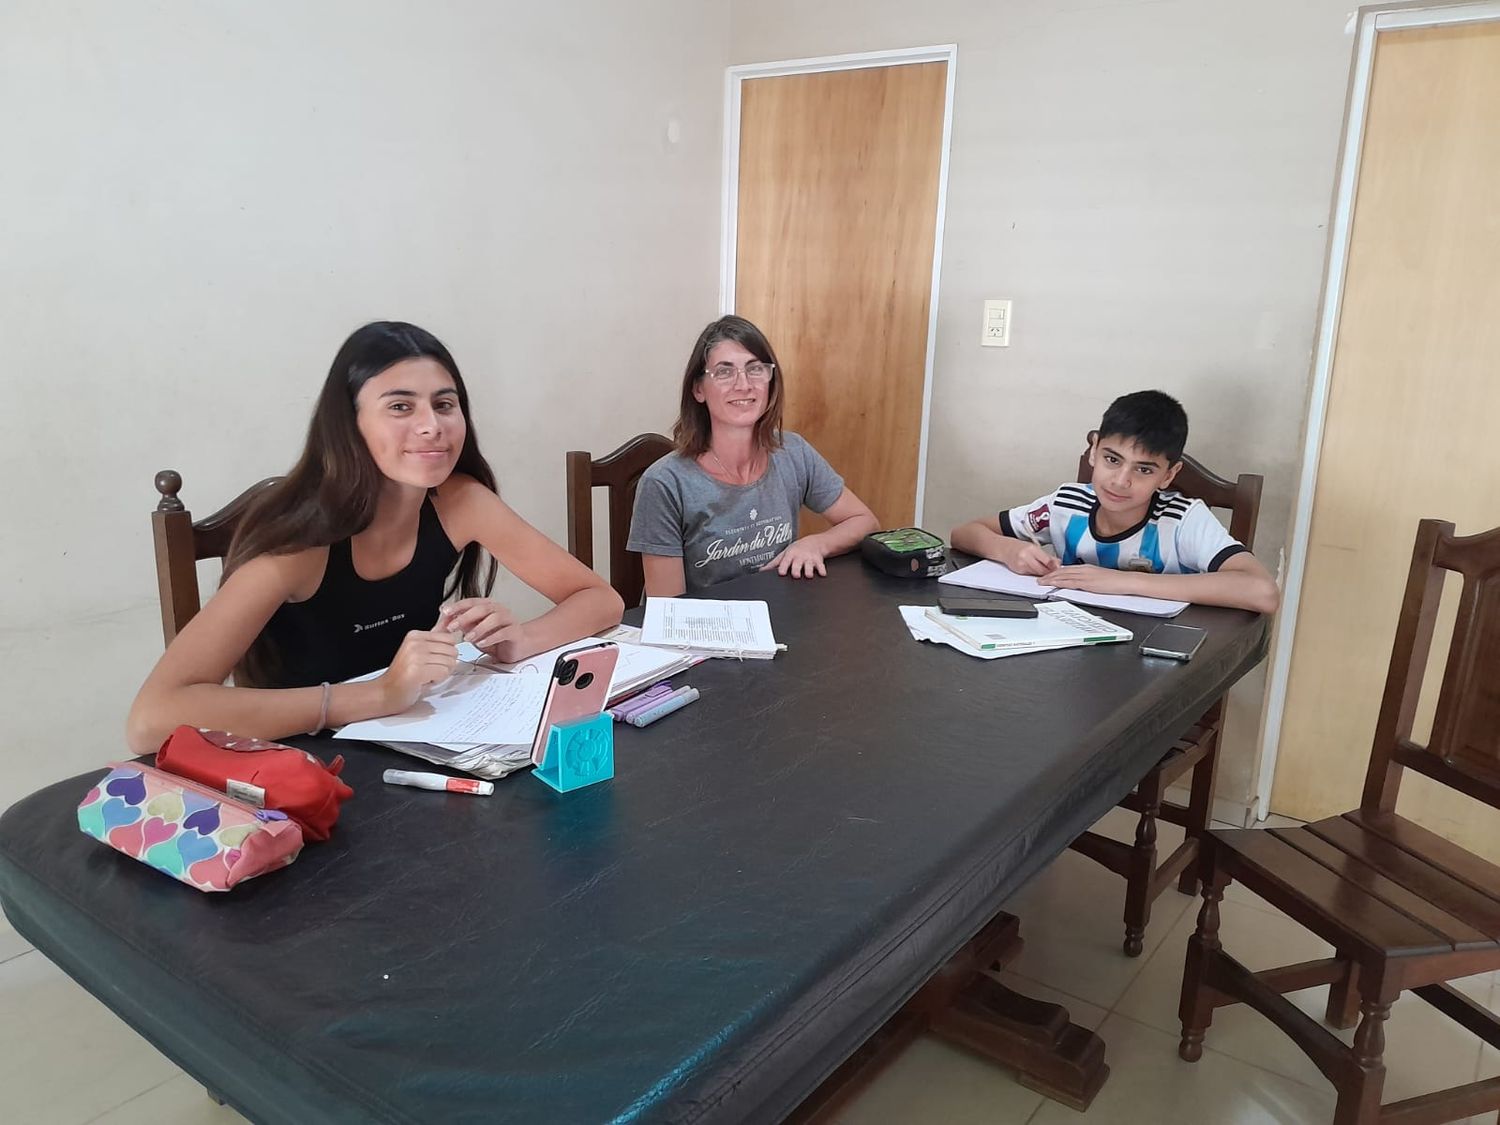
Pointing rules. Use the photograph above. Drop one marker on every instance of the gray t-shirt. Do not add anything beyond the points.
(724, 530)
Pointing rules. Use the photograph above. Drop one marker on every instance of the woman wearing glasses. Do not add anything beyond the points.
(726, 503)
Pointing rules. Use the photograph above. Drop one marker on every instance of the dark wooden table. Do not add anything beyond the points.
(773, 873)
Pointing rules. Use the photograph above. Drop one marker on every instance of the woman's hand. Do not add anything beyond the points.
(802, 559)
(488, 626)
(425, 657)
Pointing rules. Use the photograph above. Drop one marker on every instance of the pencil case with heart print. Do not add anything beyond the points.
(195, 834)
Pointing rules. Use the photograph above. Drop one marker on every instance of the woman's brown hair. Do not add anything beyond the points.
(331, 492)
(691, 431)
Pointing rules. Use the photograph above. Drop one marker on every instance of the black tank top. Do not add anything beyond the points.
(351, 626)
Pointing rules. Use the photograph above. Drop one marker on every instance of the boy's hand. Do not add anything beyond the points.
(1094, 579)
(1031, 559)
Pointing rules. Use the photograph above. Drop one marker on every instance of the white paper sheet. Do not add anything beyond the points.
(465, 708)
(924, 629)
(1055, 624)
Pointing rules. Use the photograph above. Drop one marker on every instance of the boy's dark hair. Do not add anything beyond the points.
(1153, 420)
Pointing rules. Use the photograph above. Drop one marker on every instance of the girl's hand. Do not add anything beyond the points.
(488, 626)
(479, 621)
(425, 657)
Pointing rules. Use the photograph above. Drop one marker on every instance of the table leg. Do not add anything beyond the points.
(965, 1006)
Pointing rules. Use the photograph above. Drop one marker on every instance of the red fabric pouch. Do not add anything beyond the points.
(264, 774)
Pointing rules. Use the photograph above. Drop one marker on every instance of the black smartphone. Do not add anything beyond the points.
(977, 603)
(1175, 642)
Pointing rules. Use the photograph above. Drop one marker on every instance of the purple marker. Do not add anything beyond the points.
(662, 708)
(622, 711)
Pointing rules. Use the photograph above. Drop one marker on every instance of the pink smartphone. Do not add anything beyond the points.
(578, 688)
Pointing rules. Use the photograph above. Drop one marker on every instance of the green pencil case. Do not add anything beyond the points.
(906, 552)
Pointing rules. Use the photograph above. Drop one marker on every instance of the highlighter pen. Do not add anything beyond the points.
(674, 702)
(440, 781)
(640, 701)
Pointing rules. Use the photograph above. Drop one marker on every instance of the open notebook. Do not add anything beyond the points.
(990, 575)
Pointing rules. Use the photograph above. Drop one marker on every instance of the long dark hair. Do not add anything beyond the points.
(692, 430)
(330, 494)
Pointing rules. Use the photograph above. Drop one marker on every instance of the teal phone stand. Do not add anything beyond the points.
(579, 753)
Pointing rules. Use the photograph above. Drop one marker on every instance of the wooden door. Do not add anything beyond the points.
(1413, 413)
(838, 196)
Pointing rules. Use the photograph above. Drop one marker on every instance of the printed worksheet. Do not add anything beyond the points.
(720, 628)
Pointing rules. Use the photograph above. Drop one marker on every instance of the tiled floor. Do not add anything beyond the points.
(65, 1059)
(1250, 1073)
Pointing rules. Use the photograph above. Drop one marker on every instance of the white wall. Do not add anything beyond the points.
(199, 201)
(1149, 182)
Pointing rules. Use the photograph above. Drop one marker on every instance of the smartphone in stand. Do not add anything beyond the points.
(577, 688)
(1175, 642)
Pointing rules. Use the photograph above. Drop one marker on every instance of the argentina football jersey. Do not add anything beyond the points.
(1177, 535)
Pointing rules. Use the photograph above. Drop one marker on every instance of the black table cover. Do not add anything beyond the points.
(772, 871)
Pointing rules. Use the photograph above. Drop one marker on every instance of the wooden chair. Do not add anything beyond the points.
(619, 472)
(1196, 750)
(180, 543)
(1402, 907)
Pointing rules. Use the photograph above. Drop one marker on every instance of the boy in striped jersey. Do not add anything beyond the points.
(1127, 533)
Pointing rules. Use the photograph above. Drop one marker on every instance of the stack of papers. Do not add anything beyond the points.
(486, 761)
(993, 576)
(477, 720)
(704, 628)
(989, 638)
(482, 719)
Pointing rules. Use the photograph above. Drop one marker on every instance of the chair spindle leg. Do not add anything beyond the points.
(1195, 1010)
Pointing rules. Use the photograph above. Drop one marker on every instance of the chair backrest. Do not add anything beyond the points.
(1240, 497)
(619, 472)
(1463, 751)
(180, 543)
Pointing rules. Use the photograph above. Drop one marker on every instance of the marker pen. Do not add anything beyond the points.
(674, 702)
(439, 781)
(641, 701)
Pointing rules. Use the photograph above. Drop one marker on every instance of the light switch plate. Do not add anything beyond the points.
(996, 332)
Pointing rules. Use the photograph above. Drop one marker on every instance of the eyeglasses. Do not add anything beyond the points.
(756, 372)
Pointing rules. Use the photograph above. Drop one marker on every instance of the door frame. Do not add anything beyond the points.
(734, 77)
(1368, 24)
